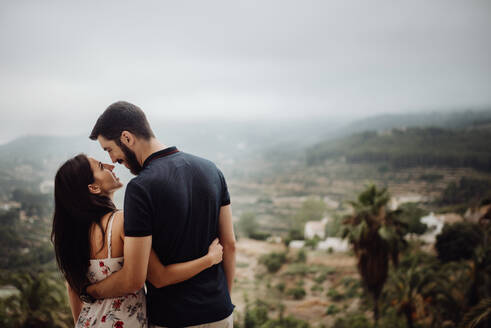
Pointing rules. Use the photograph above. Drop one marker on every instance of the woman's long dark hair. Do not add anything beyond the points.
(76, 210)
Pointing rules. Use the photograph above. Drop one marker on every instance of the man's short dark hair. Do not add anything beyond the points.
(122, 116)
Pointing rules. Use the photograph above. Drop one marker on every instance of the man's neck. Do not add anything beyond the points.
(148, 148)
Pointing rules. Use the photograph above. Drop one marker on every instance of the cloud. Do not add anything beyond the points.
(64, 61)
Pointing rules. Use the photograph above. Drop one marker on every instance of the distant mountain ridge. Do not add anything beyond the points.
(447, 120)
(225, 141)
(466, 119)
(410, 147)
(38, 147)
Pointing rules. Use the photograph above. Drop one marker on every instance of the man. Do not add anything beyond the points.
(177, 204)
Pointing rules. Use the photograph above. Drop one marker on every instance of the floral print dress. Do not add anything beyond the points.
(120, 312)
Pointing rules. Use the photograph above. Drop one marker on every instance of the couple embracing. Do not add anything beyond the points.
(175, 233)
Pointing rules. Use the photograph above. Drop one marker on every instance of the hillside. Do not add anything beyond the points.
(447, 120)
(412, 147)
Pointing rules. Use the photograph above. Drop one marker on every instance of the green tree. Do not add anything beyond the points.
(248, 224)
(312, 210)
(468, 191)
(458, 241)
(411, 215)
(41, 302)
(377, 238)
(413, 287)
(481, 265)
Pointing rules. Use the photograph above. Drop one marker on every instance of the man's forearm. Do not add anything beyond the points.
(161, 276)
(229, 265)
(116, 285)
(132, 276)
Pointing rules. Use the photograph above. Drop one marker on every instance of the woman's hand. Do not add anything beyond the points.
(215, 252)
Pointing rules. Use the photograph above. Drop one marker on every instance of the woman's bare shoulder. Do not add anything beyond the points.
(119, 223)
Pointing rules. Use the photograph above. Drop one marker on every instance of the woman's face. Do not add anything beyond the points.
(105, 181)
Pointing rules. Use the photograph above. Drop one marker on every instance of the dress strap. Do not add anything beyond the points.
(109, 233)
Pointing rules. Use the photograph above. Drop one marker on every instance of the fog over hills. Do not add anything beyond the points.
(446, 120)
(227, 141)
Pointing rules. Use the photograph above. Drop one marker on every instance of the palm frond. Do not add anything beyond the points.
(476, 315)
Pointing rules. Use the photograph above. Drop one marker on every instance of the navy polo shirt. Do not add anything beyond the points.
(176, 198)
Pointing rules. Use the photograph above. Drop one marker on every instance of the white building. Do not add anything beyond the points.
(331, 203)
(397, 201)
(296, 244)
(8, 205)
(435, 226)
(336, 244)
(315, 228)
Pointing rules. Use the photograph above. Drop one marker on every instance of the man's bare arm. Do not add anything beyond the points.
(227, 239)
(160, 275)
(133, 274)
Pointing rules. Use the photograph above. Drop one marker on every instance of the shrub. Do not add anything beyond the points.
(273, 261)
(259, 235)
(351, 286)
(288, 322)
(332, 309)
(312, 243)
(298, 269)
(334, 295)
(352, 321)
(293, 234)
(255, 317)
(280, 286)
(248, 224)
(321, 277)
(301, 256)
(297, 292)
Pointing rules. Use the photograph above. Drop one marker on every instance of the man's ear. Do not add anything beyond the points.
(127, 138)
(94, 189)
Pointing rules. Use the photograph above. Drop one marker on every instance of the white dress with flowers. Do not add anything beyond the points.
(120, 312)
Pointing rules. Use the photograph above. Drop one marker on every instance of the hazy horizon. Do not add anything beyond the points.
(160, 126)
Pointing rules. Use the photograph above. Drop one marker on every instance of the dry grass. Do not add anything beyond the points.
(253, 280)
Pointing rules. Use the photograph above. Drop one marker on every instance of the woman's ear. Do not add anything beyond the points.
(94, 189)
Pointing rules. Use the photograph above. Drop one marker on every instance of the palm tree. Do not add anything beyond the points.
(481, 264)
(377, 238)
(478, 316)
(416, 288)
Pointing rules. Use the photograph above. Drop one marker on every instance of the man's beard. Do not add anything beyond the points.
(133, 164)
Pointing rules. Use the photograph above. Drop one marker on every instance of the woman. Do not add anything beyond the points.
(88, 236)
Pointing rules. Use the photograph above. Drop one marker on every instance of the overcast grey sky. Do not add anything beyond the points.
(63, 62)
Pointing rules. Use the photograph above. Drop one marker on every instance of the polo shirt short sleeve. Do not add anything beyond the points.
(225, 193)
(137, 211)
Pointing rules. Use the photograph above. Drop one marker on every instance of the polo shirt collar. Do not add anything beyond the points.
(161, 153)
